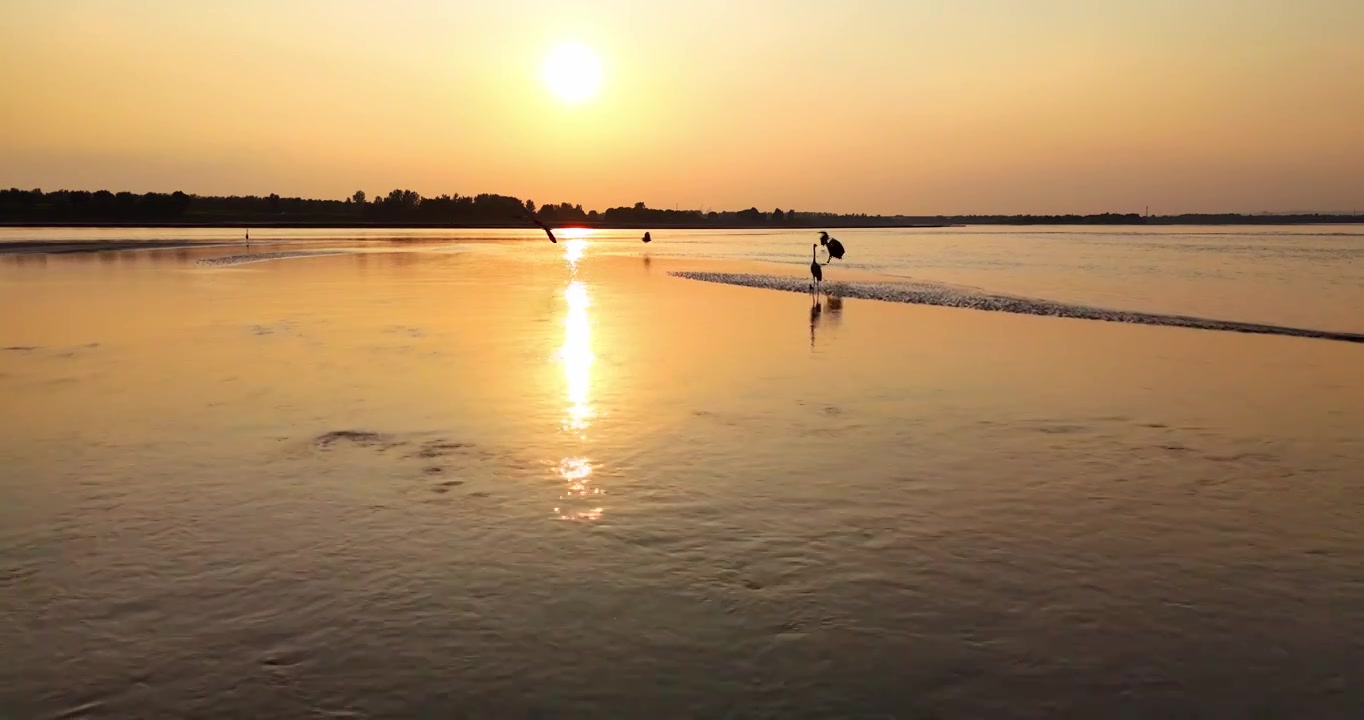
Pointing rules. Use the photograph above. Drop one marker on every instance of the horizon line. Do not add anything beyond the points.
(703, 212)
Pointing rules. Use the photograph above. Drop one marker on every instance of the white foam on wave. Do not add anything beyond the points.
(228, 260)
(920, 293)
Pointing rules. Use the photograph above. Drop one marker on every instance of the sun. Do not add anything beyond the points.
(572, 73)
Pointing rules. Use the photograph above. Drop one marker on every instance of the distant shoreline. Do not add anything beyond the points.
(844, 225)
(328, 224)
(408, 209)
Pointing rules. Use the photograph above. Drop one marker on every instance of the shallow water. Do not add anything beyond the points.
(534, 480)
(1309, 276)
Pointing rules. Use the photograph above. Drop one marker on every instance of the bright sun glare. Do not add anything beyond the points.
(572, 73)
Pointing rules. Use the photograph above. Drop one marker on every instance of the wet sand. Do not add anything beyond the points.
(920, 293)
(264, 256)
(536, 482)
(90, 246)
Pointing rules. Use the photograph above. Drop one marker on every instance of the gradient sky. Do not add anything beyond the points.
(913, 106)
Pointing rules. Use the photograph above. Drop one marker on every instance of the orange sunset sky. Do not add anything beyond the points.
(877, 106)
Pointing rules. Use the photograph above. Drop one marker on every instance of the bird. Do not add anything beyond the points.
(815, 269)
(646, 237)
(529, 215)
(834, 247)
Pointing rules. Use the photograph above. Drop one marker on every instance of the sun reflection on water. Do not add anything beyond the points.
(573, 251)
(577, 358)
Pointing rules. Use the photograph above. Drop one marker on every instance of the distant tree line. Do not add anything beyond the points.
(405, 207)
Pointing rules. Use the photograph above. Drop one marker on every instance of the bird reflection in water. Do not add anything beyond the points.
(834, 307)
(816, 311)
(577, 358)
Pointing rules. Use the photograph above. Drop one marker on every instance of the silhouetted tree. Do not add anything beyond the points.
(751, 216)
(407, 206)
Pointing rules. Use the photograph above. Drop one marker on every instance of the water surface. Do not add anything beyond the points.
(518, 479)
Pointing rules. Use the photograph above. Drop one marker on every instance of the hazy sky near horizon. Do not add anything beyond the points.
(977, 106)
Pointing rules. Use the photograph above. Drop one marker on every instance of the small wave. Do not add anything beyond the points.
(931, 294)
(227, 260)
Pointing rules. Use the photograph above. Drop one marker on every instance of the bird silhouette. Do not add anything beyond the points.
(530, 216)
(834, 247)
(646, 237)
(815, 270)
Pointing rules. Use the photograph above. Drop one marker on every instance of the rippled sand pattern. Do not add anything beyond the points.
(942, 295)
(243, 259)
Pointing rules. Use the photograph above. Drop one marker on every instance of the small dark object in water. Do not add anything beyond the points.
(834, 247)
(647, 238)
(362, 438)
(439, 448)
